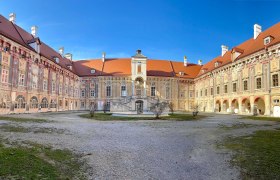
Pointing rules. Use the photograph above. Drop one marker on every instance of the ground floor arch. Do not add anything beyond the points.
(139, 104)
(226, 106)
(259, 106)
(218, 106)
(246, 106)
(235, 106)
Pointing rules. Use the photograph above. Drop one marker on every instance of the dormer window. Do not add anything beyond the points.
(56, 59)
(92, 71)
(70, 67)
(181, 73)
(217, 64)
(7, 49)
(267, 40)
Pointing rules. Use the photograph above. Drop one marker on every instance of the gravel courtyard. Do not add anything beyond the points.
(143, 149)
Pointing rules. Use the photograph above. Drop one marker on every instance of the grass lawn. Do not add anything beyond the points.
(38, 162)
(256, 155)
(18, 119)
(263, 118)
(109, 117)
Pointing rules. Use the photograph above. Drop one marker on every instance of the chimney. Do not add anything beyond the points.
(68, 56)
(12, 17)
(200, 62)
(103, 56)
(34, 31)
(61, 51)
(185, 61)
(257, 30)
(224, 49)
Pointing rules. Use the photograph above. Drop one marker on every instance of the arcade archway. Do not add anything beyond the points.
(259, 106)
(235, 106)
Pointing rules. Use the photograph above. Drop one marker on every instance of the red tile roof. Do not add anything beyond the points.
(122, 67)
(19, 35)
(246, 48)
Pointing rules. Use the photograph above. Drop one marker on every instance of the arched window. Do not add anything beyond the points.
(33, 102)
(53, 104)
(20, 102)
(44, 103)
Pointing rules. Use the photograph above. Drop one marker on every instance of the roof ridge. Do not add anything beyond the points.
(173, 71)
(21, 36)
(102, 68)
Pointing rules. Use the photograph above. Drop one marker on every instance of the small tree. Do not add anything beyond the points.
(158, 107)
(195, 109)
(92, 109)
(171, 107)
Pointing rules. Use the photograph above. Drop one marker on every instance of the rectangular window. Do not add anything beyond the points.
(83, 93)
(234, 87)
(182, 94)
(212, 92)
(259, 83)
(34, 81)
(153, 91)
(123, 90)
(5, 75)
(201, 93)
(191, 94)
(218, 90)
(108, 91)
(225, 89)
(167, 93)
(245, 85)
(139, 71)
(275, 80)
(205, 92)
(92, 93)
(53, 85)
(82, 104)
(60, 89)
(45, 85)
(21, 80)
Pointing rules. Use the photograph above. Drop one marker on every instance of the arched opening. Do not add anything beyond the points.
(33, 102)
(246, 106)
(259, 107)
(235, 106)
(218, 107)
(20, 102)
(44, 103)
(226, 106)
(139, 106)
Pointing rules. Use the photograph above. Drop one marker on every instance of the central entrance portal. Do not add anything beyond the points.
(139, 106)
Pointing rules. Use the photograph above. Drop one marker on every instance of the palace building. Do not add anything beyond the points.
(36, 78)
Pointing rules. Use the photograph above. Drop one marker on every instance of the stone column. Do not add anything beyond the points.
(267, 104)
(132, 87)
(252, 103)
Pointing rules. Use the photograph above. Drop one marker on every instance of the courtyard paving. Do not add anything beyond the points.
(143, 149)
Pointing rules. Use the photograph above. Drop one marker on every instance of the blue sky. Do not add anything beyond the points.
(163, 29)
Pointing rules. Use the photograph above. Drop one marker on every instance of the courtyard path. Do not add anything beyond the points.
(143, 149)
